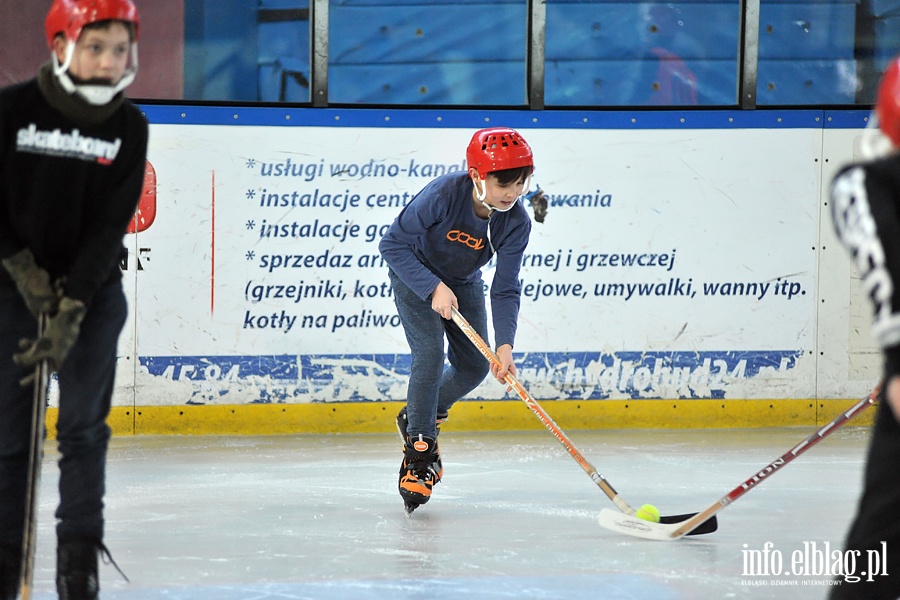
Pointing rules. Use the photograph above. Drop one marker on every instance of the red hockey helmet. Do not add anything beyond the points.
(887, 105)
(70, 16)
(498, 149)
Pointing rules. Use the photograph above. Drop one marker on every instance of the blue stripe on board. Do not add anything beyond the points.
(847, 119)
(373, 377)
(469, 119)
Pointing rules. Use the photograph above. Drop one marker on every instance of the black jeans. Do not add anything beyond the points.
(86, 382)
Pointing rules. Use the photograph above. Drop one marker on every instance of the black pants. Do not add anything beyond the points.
(86, 384)
(878, 516)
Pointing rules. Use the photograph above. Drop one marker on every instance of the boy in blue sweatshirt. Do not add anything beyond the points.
(435, 250)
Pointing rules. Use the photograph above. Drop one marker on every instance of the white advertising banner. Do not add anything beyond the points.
(672, 263)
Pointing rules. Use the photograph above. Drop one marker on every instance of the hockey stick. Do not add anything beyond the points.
(707, 526)
(657, 531)
(35, 458)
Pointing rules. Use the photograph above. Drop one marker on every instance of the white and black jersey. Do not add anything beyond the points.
(865, 206)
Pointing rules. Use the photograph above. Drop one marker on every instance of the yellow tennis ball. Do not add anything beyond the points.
(648, 512)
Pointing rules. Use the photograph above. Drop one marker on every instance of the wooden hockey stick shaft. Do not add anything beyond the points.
(558, 433)
(35, 459)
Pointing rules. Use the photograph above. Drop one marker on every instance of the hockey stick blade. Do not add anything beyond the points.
(558, 433)
(708, 526)
(630, 525)
(635, 527)
(662, 531)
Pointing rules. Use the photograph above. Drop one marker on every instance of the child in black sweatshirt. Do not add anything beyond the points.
(72, 160)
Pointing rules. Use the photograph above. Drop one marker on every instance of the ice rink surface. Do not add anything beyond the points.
(319, 517)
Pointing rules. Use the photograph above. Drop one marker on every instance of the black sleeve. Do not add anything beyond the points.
(99, 253)
(9, 242)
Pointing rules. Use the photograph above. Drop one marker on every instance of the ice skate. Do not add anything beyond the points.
(76, 570)
(420, 470)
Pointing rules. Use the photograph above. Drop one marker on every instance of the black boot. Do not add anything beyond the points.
(10, 571)
(76, 569)
(420, 470)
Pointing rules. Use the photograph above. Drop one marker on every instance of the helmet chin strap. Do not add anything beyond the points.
(481, 194)
(93, 93)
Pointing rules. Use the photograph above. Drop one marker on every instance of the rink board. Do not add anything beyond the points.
(471, 416)
(683, 257)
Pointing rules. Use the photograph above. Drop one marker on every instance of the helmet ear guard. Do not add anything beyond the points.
(498, 149)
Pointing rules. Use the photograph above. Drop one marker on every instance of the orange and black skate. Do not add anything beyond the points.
(420, 470)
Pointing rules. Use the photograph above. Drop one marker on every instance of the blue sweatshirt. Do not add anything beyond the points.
(438, 237)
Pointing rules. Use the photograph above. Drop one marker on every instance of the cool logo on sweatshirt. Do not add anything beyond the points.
(72, 145)
(455, 235)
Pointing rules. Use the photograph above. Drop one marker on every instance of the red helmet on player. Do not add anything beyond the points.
(69, 18)
(887, 106)
(498, 149)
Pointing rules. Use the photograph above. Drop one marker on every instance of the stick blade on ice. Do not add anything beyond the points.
(710, 525)
(635, 527)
